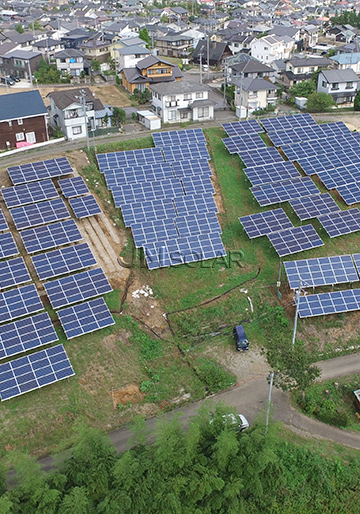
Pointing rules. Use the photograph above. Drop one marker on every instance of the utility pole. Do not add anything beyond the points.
(297, 303)
(208, 56)
(30, 75)
(82, 99)
(269, 402)
(200, 55)
(225, 77)
(240, 94)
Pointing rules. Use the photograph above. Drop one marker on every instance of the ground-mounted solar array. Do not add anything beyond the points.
(19, 302)
(350, 193)
(191, 167)
(241, 128)
(147, 191)
(321, 146)
(179, 137)
(34, 371)
(3, 223)
(274, 172)
(263, 223)
(314, 206)
(74, 186)
(29, 193)
(13, 273)
(136, 174)
(62, 261)
(128, 158)
(332, 179)
(341, 223)
(288, 122)
(47, 237)
(293, 240)
(329, 303)
(243, 143)
(34, 171)
(8, 246)
(277, 192)
(308, 133)
(85, 206)
(322, 271)
(39, 213)
(260, 156)
(185, 152)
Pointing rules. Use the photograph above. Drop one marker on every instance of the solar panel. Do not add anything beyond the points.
(191, 167)
(13, 273)
(336, 128)
(136, 174)
(185, 152)
(195, 204)
(322, 146)
(184, 250)
(295, 240)
(246, 142)
(332, 179)
(323, 162)
(34, 371)
(274, 172)
(85, 317)
(16, 303)
(296, 135)
(350, 193)
(39, 213)
(260, 156)
(321, 271)
(263, 223)
(179, 137)
(341, 223)
(240, 128)
(195, 224)
(29, 193)
(76, 288)
(329, 303)
(65, 260)
(74, 186)
(314, 206)
(3, 222)
(148, 211)
(198, 184)
(26, 334)
(34, 171)
(85, 206)
(146, 191)
(50, 236)
(277, 192)
(154, 231)
(129, 158)
(8, 246)
(288, 122)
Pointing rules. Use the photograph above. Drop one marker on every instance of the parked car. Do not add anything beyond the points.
(14, 78)
(241, 341)
(236, 421)
(7, 80)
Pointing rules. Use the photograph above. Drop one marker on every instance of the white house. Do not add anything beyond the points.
(254, 93)
(183, 101)
(71, 62)
(349, 60)
(271, 48)
(340, 84)
(129, 56)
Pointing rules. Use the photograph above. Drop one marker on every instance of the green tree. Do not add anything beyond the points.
(47, 73)
(357, 101)
(19, 28)
(111, 63)
(95, 64)
(319, 102)
(119, 117)
(304, 88)
(144, 35)
(76, 502)
(36, 25)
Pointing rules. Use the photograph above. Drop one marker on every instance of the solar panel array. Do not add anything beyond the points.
(243, 143)
(314, 206)
(329, 303)
(308, 133)
(34, 171)
(274, 172)
(191, 167)
(293, 240)
(29, 193)
(321, 271)
(13, 273)
(62, 261)
(135, 174)
(3, 223)
(16, 303)
(39, 213)
(8, 246)
(74, 186)
(185, 152)
(34, 371)
(341, 223)
(263, 223)
(329, 161)
(145, 191)
(85, 206)
(241, 128)
(322, 146)
(339, 177)
(50, 236)
(350, 193)
(128, 158)
(277, 192)
(26, 334)
(179, 137)
(260, 156)
(288, 122)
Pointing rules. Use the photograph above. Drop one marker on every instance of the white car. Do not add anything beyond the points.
(238, 421)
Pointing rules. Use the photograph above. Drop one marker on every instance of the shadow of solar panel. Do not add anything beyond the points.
(314, 206)
(260, 156)
(26, 334)
(3, 222)
(147, 191)
(85, 317)
(148, 211)
(295, 240)
(34, 371)
(329, 303)
(85, 206)
(191, 167)
(129, 158)
(39, 213)
(350, 193)
(76, 288)
(65, 260)
(245, 143)
(19, 302)
(8, 246)
(185, 152)
(34, 171)
(29, 193)
(153, 231)
(179, 137)
(321, 271)
(240, 128)
(50, 236)
(13, 272)
(263, 223)
(137, 174)
(341, 223)
(356, 257)
(273, 172)
(196, 224)
(277, 192)
(198, 184)
(195, 204)
(74, 186)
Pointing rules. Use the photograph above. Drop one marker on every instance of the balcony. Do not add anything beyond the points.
(173, 103)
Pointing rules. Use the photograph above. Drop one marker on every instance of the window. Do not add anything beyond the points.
(335, 85)
(184, 115)
(349, 85)
(20, 121)
(172, 98)
(10, 123)
(299, 70)
(30, 137)
(266, 48)
(20, 136)
(187, 96)
(312, 68)
(77, 130)
(172, 115)
(200, 95)
(323, 83)
(203, 112)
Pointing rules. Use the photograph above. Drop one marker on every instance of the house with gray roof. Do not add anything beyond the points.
(21, 63)
(129, 56)
(342, 85)
(255, 93)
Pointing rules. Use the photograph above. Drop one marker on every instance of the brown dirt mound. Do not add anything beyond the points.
(130, 393)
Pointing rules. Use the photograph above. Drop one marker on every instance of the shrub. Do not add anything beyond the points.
(213, 375)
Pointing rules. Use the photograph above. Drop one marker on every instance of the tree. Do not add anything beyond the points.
(319, 102)
(304, 88)
(119, 116)
(36, 25)
(76, 502)
(95, 64)
(111, 63)
(47, 73)
(144, 35)
(19, 28)
(357, 101)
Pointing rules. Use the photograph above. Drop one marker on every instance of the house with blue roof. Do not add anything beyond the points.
(23, 120)
(348, 60)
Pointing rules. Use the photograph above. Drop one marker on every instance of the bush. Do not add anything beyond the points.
(319, 102)
(357, 101)
(213, 375)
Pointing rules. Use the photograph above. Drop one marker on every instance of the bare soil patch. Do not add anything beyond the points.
(130, 393)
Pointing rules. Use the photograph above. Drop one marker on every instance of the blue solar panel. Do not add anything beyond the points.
(13, 272)
(247, 142)
(350, 193)
(179, 137)
(314, 206)
(146, 191)
(85, 317)
(128, 158)
(323, 162)
(191, 167)
(39, 213)
(148, 211)
(329, 303)
(240, 128)
(50, 236)
(263, 223)
(321, 146)
(288, 122)
(195, 204)
(85, 206)
(76, 288)
(26, 334)
(29, 193)
(74, 186)
(198, 184)
(136, 174)
(16, 303)
(3, 222)
(185, 152)
(296, 135)
(321, 271)
(34, 371)
(260, 156)
(341, 223)
(274, 172)
(8, 246)
(34, 171)
(65, 260)
(154, 231)
(332, 179)
(277, 192)
(295, 240)
(195, 224)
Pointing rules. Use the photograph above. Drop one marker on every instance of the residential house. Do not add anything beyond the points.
(298, 69)
(242, 65)
(341, 33)
(270, 48)
(181, 102)
(96, 48)
(310, 36)
(218, 52)
(67, 111)
(238, 43)
(129, 56)
(174, 45)
(340, 84)
(283, 30)
(150, 70)
(21, 63)
(23, 120)
(71, 62)
(346, 61)
(74, 38)
(255, 93)
(178, 13)
(48, 47)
